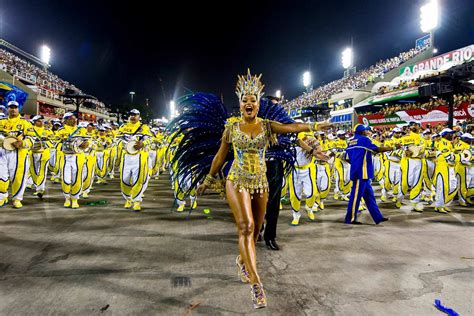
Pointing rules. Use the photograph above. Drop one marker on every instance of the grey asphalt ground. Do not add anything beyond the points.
(105, 260)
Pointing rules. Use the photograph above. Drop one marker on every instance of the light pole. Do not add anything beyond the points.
(307, 80)
(131, 96)
(347, 60)
(45, 55)
(429, 16)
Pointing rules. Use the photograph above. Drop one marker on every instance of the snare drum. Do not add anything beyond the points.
(37, 147)
(71, 146)
(8, 143)
(130, 147)
(414, 151)
(466, 157)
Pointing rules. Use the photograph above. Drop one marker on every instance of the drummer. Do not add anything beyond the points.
(14, 162)
(40, 155)
(73, 162)
(134, 160)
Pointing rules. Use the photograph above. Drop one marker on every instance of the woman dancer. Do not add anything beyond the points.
(246, 185)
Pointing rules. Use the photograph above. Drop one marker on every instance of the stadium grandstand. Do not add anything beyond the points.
(44, 88)
(386, 94)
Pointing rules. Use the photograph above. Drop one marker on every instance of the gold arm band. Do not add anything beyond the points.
(313, 126)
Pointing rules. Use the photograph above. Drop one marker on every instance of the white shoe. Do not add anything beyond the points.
(296, 218)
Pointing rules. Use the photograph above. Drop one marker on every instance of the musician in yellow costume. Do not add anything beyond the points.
(102, 154)
(88, 170)
(112, 134)
(134, 166)
(56, 156)
(302, 179)
(14, 163)
(465, 169)
(412, 168)
(429, 161)
(445, 175)
(392, 165)
(323, 174)
(40, 155)
(73, 162)
(341, 167)
(379, 165)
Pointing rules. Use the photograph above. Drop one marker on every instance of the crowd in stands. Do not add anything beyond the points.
(402, 85)
(358, 80)
(47, 83)
(430, 105)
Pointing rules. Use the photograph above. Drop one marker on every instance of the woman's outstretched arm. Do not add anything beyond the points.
(279, 128)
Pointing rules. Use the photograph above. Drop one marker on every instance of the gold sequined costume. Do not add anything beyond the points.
(248, 171)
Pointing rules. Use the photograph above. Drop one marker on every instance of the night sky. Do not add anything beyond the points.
(107, 49)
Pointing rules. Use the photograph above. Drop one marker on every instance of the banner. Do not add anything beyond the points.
(454, 58)
(423, 41)
(439, 115)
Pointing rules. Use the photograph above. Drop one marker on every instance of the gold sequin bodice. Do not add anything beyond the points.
(248, 171)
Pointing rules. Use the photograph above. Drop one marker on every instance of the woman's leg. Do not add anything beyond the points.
(241, 205)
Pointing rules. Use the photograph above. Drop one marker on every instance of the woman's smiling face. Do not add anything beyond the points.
(249, 106)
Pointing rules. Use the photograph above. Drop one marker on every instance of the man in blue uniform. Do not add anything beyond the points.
(359, 150)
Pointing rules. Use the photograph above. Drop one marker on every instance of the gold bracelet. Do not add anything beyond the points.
(313, 126)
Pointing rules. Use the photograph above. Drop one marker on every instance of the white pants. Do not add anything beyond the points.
(52, 157)
(130, 175)
(394, 172)
(302, 183)
(322, 178)
(440, 187)
(346, 173)
(8, 171)
(37, 165)
(70, 176)
(151, 161)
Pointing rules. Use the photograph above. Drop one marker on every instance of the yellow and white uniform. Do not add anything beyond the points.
(102, 154)
(392, 167)
(323, 178)
(55, 158)
(411, 169)
(429, 161)
(379, 167)
(153, 162)
(88, 169)
(113, 153)
(14, 164)
(134, 167)
(445, 175)
(39, 157)
(72, 164)
(341, 170)
(465, 174)
(302, 181)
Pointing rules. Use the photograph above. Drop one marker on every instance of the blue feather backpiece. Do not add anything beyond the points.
(200, 126)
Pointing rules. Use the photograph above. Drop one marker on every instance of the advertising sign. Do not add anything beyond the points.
(439, 115)
(450, 59)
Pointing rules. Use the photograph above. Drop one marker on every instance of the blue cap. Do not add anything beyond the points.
(360, 128)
